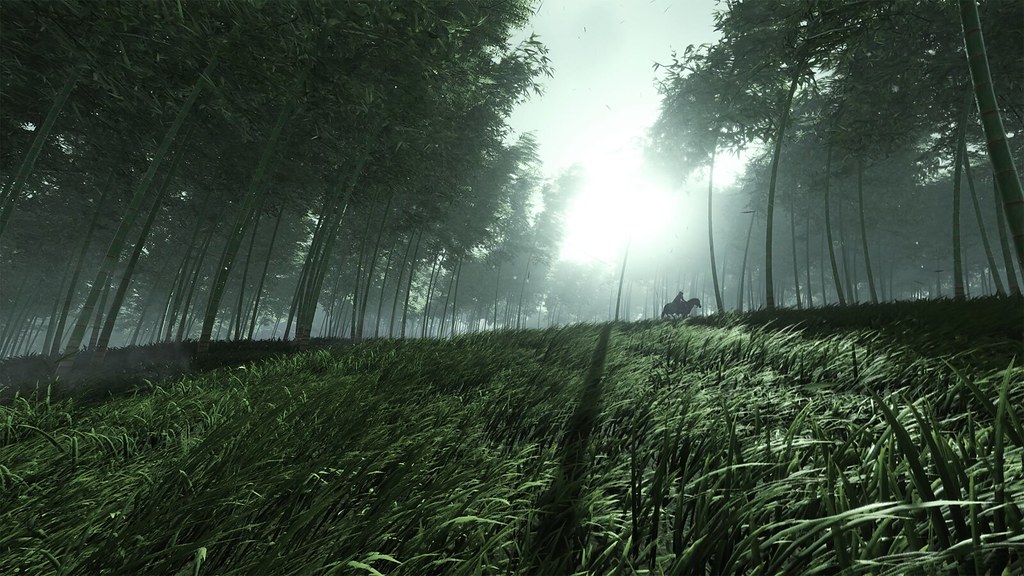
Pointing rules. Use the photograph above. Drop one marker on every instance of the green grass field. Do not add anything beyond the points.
(872, 440)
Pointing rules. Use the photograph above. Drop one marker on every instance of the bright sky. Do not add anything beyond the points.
(596, 109)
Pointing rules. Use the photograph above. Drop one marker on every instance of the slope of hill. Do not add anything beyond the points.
(732, 446)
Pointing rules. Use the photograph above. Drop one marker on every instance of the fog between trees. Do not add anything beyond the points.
(236, 169)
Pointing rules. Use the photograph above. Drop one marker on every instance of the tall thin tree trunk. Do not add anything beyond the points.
(383, 286)
(97, 322)
(958, 266)
(997, 281)
(143, 313)
(837, 282)
(252, 198)
(711, 234)
(187, 310)
(113, 254)
(821, 269)
(743, 266)
(51, 322)
(398, 287)
(263, 274)
(129, 269)
(412, 276)
(80, 263)
(522, 287)
(864, 231)
(239, 314)
(845, 258)
(455, 296)
(1011, 274)
(434, 275)
(16, 314)
(360, 270)
(807, 258)
(372, 268)
(497, 288)
(776, 156)
(995, 135)
(622, 277)
(178, 284)
(447, 300)
(796, 267)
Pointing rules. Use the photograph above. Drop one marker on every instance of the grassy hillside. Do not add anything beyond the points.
(879, 440)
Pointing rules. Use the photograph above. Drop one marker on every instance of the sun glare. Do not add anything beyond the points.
(618, 204)
(621, 202)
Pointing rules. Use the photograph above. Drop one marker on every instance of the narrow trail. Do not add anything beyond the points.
(559, 536)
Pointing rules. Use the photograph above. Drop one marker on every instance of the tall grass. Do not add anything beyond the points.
(662, 448)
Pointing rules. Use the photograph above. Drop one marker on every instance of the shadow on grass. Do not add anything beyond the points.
(559, 536)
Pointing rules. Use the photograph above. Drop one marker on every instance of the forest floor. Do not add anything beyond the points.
(873, 439)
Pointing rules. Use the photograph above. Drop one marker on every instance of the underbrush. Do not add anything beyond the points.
(733, 447)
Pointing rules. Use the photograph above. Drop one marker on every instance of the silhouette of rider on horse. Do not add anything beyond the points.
(680, 307)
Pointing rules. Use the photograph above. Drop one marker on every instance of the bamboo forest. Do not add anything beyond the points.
(526, 287)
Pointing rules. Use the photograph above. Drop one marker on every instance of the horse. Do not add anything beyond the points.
(679, 307)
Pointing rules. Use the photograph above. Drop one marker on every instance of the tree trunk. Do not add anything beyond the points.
(15, 316)
(113, 254)
(796, 267)
(776, 156)
(372, 269)
(321, 250)
(97, 322)
(447, 300)
(455, 296)
(360, 269)
(995, 136)
(958, 266)
(305, 274)
(711, 234)
(234, 240)
(743, 266)
(828, 228)
(434, 274)
(412, 275)
(238, 316)
(143, 313)
(174, 295)
(622, 276)
(821, 270)
(51, 322)
(263, 274)
(522, 287)
(864, 231)
(1011, 274)
(807, 258)
(383, 286)
(10, 196)
(129, 270)
(79, 264)
(398, 287)
(997, 281)
(497, 289)
(186, 308)
(845, 256)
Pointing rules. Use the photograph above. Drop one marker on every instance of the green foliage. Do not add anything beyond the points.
(740, 447)
(313, 109)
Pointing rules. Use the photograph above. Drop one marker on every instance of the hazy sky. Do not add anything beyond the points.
(603, 52)
(599, 104)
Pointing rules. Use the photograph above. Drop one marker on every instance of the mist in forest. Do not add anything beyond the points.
(208, 171)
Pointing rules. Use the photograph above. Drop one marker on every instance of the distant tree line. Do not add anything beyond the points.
(892, 111)
(244, 169)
